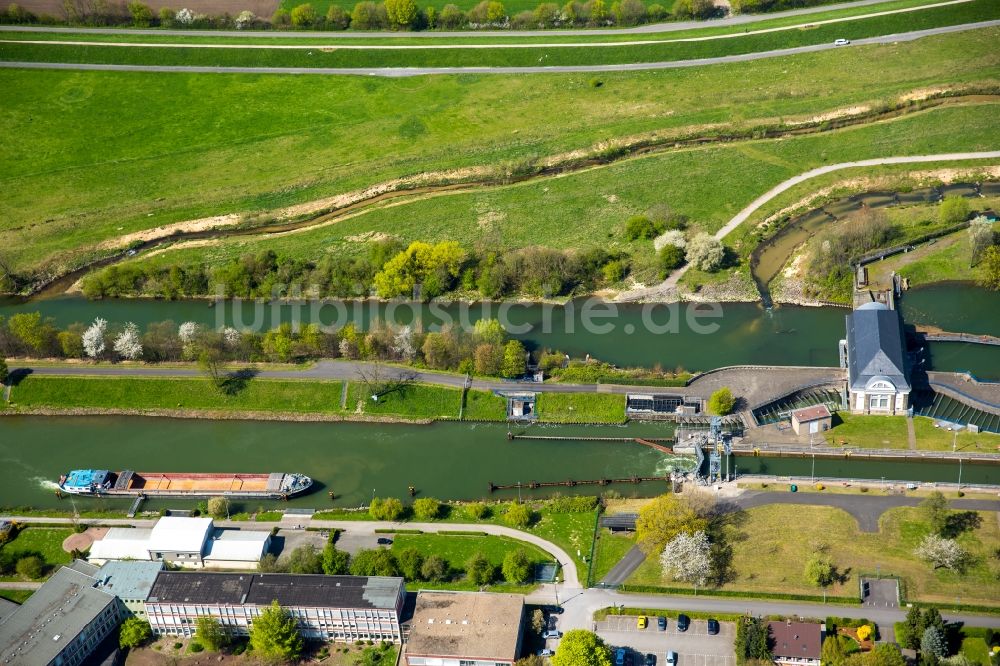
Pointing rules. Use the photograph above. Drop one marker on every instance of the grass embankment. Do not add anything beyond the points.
(771, 545)
(415, 401)
(45, 542)
(581, 408)
(889, 432)
(305, 139)
(456, 550)
(862, 27)
(595, 203)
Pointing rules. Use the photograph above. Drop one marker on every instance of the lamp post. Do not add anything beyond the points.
(960, 473)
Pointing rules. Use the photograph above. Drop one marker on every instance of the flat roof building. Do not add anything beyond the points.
(187, 542)
(465, 629)
(130, 581)
(874, 355)
(338, 608)
(61, 624)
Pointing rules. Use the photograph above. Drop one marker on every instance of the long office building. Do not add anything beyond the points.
(333, 608)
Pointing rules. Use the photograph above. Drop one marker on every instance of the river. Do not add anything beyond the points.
(444, 460)
(742, 333)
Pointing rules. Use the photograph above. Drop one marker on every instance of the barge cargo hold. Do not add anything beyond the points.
(127, 483)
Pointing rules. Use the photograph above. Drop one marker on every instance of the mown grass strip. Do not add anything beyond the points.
(264, 395)
(331, 57)
(581, 408)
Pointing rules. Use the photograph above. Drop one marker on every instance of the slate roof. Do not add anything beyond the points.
(875, 347)
(797, 640)
(467, 625)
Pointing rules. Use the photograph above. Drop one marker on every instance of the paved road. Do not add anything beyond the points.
(580, 606)
(15, 585)
(670, 284)
(625, 567)
(399, 72)
(741, 19)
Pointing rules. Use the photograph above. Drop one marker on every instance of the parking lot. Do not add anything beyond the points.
(694, 647)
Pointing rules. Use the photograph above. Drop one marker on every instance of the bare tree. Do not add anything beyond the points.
(380, 380)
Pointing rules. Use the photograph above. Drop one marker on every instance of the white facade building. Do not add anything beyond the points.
(333, 608)
(874, 355)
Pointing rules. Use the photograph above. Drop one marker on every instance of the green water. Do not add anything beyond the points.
(444, 460)
(744, 333)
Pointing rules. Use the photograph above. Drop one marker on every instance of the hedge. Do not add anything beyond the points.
(739, 594)
(388, 531)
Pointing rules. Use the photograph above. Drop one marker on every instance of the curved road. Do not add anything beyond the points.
(669, 285)
(398, 72)
(740, 19)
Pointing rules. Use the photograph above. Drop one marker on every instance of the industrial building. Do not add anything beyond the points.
(185, 542)
(465, 629)
(336, 608)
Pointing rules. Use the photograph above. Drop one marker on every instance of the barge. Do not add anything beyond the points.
(128, 483)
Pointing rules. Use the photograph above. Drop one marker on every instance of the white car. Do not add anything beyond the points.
(842, 42)
(545, 653)
(671, 659)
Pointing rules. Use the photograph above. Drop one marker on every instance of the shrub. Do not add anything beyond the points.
(401, 13)
(427, 508)
(705, 252)
(389, 508)
(30, 566)
(196, 647)
(142, 15)
(477, 510)
(671, 257)
(303, 16)
(721, 402)
(953, 209)
(281, 18)
(518, 515)
(640, 227)
(134, 632)
(479, 569)
(337, 18)
(516, 567)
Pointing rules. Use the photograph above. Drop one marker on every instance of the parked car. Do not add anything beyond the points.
(620, 657)
(842, 42)
(671, 658)
(661, 623)
(713, 627)
(628, 658)
(384, 541)
(555, 610)
(552, 633)
(683, 622)
(545, 652)
(650, 659)
(642, 622)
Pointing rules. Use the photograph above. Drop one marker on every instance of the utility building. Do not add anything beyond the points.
(873, 353)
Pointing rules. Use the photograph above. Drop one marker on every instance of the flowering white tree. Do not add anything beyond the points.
(980, 237)
(184, 16)
(127, 343)
(402, 343)
(188, 331)
(686, 558)
(942, 553)
(230, 336)
(245, 19)
(705, 252)
(672, 237)
(93, 338)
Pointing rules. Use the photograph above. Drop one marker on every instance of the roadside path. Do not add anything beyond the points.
(399, 72)
(19, 585)
(669, 285)
(451, 46)
(740, 19)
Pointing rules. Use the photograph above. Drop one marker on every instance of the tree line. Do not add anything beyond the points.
(397, 15)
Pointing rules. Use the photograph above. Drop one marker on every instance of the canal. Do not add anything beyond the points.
(444, 460)
(672, 336)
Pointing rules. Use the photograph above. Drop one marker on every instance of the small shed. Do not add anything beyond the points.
(810, 420)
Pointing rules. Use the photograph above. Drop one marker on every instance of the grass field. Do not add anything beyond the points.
(43, 541)
(610, 549)
(772, 543)
(17, 596)
(169, 155)
(581, 408)
(889, 432)
(597, 202)
(976, 10)
(196, 394)
(484, 406)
